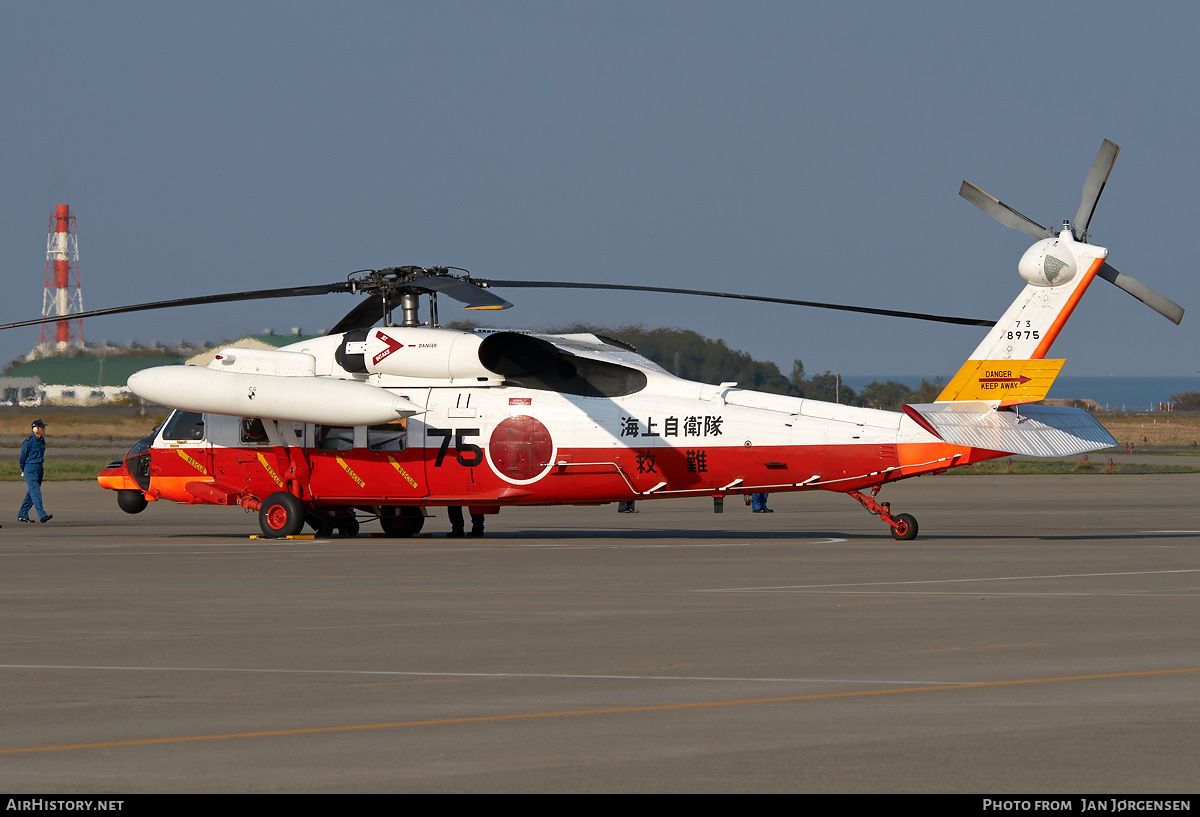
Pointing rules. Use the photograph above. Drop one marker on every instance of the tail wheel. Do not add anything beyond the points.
(408, 522)
(281, 514)
(905, 527)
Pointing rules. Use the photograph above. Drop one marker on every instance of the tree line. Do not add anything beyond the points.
(692, 356)
(1186, 401)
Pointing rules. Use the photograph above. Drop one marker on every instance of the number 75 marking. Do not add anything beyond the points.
(469, 454)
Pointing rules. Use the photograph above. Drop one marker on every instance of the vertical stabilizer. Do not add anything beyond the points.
(1009, 366)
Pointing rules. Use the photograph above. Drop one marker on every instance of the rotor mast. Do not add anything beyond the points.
(410, 306)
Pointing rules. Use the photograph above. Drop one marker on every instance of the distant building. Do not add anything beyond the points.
(99, 373)
(20, 391)
(267, 340)
(79, 381)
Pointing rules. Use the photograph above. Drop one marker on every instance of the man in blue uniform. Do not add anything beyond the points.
(33, 455)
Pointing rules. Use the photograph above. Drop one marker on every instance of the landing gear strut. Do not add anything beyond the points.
(904, 526)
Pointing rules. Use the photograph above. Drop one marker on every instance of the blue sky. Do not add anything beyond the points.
(805, 150)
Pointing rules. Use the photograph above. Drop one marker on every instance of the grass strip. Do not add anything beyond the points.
(64, 470)
(1058, 467)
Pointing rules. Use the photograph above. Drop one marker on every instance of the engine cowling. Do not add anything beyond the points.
(437, 354)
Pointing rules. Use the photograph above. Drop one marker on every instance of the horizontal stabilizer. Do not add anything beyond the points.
(1035, 431)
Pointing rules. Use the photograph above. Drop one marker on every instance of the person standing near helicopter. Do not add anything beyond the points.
(33, 456)
(455, 515)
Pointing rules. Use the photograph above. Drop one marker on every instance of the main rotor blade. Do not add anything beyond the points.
(1002, 212)
(1160, 304)
(251, 295)
(362, 316)
(474, 297)
(920, 316)
(1093, 186)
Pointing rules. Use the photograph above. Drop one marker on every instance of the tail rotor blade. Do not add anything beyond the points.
(1002, 212)
(1093, 186)
(1160, 304)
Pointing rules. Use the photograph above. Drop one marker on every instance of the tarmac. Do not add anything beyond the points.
(1041, 635)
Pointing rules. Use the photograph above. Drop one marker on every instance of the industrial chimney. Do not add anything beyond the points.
(63, 295)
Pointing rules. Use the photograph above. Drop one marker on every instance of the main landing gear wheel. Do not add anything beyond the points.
(281, 515)
(408, 522)
(905, 527)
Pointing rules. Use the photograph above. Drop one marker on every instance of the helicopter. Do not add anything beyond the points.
(387, 419)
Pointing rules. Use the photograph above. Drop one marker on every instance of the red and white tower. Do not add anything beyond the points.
(63, 295)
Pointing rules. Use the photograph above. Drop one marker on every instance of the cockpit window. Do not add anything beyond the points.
(184, 425)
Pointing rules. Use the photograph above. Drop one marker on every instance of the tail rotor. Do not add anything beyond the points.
(1093, 187)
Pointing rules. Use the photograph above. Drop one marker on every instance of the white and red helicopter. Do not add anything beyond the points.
(389, 421)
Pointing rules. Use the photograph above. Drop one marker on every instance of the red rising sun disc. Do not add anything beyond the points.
(520, 448)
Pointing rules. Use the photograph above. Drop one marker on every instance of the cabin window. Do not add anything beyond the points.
(252, 431)
(335, 438)
(184, 425)
(387, 437)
